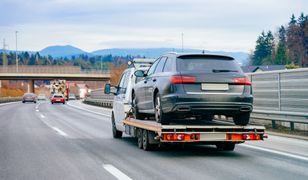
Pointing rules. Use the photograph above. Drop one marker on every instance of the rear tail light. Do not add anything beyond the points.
(182, 79)
(180, 137)
(242, 81)
(243, 137)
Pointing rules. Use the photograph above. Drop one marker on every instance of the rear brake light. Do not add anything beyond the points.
(180, 137)
(242, 81)
(243, 137)
(183, 79)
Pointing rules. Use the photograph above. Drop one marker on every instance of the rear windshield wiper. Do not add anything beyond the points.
(223, 70)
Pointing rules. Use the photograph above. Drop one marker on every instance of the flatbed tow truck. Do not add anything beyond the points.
(151, 134)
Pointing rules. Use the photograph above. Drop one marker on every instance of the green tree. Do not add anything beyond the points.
(264, 49)
(281, 54)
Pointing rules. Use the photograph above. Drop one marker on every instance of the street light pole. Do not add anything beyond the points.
(16, 52)
(182, 42)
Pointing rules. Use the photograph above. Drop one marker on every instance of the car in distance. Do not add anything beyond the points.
(72, 96)
(41, 97)
(29, 97)
(57, 98)
(193, 87)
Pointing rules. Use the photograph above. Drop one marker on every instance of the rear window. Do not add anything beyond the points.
(208, 65)
(58, 96)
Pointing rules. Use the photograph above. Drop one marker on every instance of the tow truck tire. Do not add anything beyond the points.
(241, 119)
(140, 138)
(145, 139)
(115, 133)
(227, 146)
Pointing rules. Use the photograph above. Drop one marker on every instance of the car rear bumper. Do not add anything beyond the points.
(28, 100)
(207, 104)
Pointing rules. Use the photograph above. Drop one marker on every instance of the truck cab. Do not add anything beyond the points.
(123, 91)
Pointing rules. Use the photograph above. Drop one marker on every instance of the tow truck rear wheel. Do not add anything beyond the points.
(145, 139)
(139, 138)
(226, 146)
(116, 134)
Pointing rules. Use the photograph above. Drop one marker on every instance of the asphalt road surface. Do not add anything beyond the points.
(74, 141)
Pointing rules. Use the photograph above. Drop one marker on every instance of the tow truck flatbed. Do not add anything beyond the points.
(211, 132)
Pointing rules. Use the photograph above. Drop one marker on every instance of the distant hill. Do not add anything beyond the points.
(69, 51)
(61, 51)
(242, 57)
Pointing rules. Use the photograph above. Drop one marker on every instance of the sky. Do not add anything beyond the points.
(220, 25)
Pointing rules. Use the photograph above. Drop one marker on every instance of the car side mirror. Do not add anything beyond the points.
(139, 73)
(107, 88)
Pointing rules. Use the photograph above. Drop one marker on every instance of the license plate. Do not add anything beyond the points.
(58, 100)
(214, 87)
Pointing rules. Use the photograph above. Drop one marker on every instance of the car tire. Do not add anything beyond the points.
(241, 119)
(135, 111)
(23, 101)
(34, 102)
(51, 102)
(160, 116)
(226, 146)
(115, 133)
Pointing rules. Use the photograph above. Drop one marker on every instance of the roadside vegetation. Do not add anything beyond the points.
(287, 46)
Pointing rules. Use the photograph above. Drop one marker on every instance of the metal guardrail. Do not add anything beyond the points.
(9, 99)
(281, 96)
(99, 102)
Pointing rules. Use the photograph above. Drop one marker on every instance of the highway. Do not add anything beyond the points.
(74, 141)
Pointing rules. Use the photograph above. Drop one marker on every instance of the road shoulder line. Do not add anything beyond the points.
(276, 152)
(88, 110)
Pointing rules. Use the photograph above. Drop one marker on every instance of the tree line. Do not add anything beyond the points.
(287, 46)
(84, 61)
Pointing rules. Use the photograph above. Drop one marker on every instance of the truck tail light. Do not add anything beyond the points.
(242, 81)
(180, 137)
(244, 137)
(183, 79)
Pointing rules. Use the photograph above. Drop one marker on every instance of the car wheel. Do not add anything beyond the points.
(241, 119)
(115, 133)
(160, 116)
(227, 146)
(35, 102)
(23, 101)
(135, 109)
(51, 102)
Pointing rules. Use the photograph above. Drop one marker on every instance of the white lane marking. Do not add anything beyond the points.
(88, 110)
(3, 104)
(42, 116)
(37, 110)
(276, 152)
(116, 172)
(59, 131)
